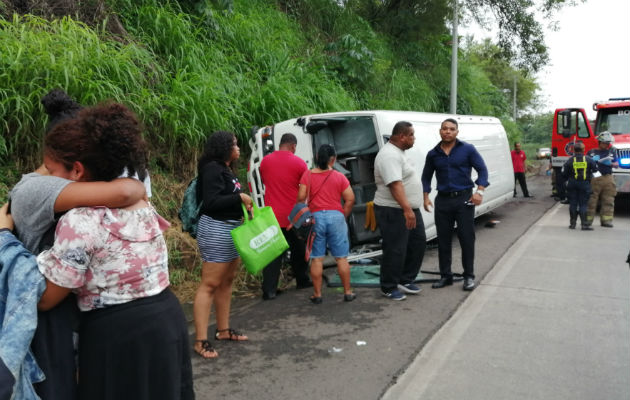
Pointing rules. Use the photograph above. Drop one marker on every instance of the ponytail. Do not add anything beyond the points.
(324, 154)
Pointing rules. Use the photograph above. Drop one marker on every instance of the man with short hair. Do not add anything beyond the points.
(397, 211)
(452, 162)
(280, 172)
(518, 163)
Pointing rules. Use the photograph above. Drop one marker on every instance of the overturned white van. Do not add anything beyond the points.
(358, 135)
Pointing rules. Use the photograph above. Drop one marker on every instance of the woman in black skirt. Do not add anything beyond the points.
(221, 211)
(133, 339)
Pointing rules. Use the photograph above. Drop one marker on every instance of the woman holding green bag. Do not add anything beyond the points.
(221, 197)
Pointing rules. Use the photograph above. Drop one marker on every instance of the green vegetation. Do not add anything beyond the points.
(189, 68)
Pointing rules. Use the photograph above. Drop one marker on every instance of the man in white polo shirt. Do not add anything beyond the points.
(397, 208)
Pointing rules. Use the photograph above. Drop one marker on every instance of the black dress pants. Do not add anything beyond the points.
(271, 273)
(520, 178)
(578, 193)
(403, 249)
(448, 211)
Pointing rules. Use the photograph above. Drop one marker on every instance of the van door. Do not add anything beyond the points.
(265, 141)
(569, 126)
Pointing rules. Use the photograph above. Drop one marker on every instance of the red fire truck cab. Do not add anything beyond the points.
(571, 125)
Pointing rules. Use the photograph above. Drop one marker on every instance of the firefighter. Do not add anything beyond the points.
(603, 189)
(578, 171)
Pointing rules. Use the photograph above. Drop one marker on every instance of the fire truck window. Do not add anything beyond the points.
(582, 129)
(618, 121)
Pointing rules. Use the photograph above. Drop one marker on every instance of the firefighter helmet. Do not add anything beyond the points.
(605, 137)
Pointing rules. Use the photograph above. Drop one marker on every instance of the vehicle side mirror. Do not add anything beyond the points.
(315, 126)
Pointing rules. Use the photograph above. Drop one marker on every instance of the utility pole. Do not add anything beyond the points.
(454, 60)
(514, 99)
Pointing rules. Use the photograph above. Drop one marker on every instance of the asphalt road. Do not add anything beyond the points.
(303, 351)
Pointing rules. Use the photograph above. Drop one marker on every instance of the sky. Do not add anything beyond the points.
(589, 55)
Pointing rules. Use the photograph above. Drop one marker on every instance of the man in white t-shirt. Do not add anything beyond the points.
(397, 208)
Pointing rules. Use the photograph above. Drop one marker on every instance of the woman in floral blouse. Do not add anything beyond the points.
(133, 335)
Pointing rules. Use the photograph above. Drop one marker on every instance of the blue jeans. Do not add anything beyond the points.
(331, 231)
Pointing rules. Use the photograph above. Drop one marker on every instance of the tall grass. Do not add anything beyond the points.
(38, 55)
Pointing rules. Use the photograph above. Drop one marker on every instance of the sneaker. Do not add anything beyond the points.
(409, 288)
(394, 294)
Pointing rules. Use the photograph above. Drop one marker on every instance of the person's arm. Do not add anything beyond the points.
(427, 202)
(6, 221)
(398, 193)
(348, 201)
(52, 296)
(66, 264)
(53, 293)
(301, 197)
(482, 177)
(427, 174)
(303, 189)
(121, 192)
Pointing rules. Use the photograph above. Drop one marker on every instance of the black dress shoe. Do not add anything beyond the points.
(469, 284)
(269, 296)
(442, 282)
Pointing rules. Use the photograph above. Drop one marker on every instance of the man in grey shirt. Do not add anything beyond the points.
(397, 208)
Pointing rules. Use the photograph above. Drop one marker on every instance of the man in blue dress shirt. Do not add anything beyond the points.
(452, 162)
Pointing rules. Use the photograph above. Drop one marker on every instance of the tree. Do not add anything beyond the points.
(502, 74)
(520, 37)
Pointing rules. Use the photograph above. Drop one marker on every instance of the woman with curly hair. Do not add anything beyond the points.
(221, 211)
(133, 335)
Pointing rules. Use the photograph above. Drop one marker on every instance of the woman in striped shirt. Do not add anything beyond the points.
(220, 192)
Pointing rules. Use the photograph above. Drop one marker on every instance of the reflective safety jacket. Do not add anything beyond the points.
(579, 168)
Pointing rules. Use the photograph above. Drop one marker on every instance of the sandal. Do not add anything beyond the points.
(316, 300)
(232, 335)
(206, 348)
(349, 296)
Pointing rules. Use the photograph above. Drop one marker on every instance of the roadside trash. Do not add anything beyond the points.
(361, 343)
(492, 223)
(335, 350)
(363, 261)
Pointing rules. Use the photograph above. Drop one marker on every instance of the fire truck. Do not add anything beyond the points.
(571, 125)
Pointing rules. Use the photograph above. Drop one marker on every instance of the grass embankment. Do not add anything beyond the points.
(189, 72)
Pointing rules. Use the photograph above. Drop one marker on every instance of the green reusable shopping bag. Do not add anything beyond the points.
(259, 240)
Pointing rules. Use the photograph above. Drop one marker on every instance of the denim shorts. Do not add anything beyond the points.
(330, 231)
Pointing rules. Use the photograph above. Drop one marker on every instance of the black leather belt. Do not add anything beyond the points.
(453, 194)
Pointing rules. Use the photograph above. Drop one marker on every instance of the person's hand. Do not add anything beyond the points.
(476, 199)
(427, 204)
(6, 221)
(410, 218)
(595, 157)
(606, 161)
(247, 201)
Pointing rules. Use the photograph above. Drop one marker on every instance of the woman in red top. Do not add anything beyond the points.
(327, 188)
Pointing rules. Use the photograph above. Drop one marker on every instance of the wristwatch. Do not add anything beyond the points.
(479, 192)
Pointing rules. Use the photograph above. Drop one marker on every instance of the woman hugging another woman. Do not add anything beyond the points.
(133, 335)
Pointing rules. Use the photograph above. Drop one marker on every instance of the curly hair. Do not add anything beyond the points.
(59, 106)
(218, 148)
(106, 139)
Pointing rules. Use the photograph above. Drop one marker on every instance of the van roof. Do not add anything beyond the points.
(409, 115)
